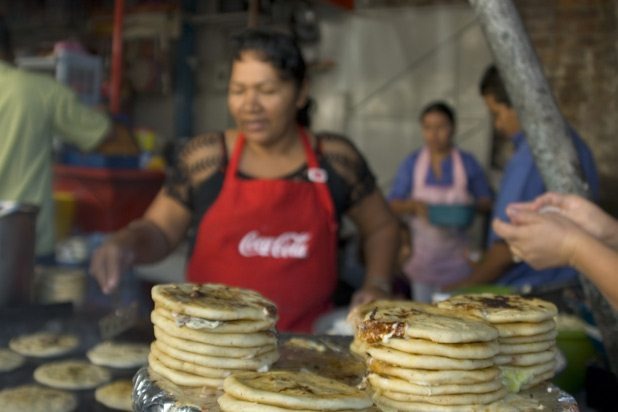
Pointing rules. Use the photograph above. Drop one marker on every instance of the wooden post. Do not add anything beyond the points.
(116, 74)
(545, 128)
(254, 14)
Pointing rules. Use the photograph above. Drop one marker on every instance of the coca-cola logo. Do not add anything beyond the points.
(288, 245)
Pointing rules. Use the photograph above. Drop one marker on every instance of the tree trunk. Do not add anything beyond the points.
(545, 129)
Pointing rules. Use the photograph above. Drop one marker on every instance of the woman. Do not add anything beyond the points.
(265, 197)
(438, 173)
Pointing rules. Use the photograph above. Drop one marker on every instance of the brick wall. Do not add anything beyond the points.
(576, 41)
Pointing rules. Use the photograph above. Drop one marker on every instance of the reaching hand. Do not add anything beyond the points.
(367, 294)
(541, 239)
(109, 262)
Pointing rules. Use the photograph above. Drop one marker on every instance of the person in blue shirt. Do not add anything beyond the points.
(521, 182)
(438, 173)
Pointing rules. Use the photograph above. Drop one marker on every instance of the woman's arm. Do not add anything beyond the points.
(380, 241)
(478, 184)
(145, 240)
(495, 261)
(399, 196)
(484, 204)
(598, 262)
(409, 207)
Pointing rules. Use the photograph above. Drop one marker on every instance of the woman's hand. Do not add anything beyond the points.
(581, 211)
(113, 258)
(420, 209)
(411, 207)
(142, 241)
(368, 294)
(146, 240)
(541, 239)
(379, 232)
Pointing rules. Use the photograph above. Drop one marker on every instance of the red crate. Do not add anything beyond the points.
(107, 199)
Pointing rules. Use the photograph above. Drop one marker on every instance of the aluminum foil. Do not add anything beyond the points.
(325, 355)
(154, 393)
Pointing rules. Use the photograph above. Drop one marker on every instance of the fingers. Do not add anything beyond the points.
(521, 206)
(522, 217)
(515, 256)
(509, 233)
(97, 270)
(554, 199)
(359, 298)
(421, 209)
(108, 264)
(366, 295)
(503, 229)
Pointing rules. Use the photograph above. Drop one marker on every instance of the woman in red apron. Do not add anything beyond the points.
(265, 198)
(441, 174)
(282, 242)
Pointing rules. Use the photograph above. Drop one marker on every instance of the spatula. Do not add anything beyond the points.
(121, 318)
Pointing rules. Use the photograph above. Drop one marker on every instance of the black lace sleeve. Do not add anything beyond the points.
(197, 161)
(348, 162)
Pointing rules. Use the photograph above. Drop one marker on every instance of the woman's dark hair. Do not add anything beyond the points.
(439, 107)
(279, 49)
(492, 85)
(275, 47)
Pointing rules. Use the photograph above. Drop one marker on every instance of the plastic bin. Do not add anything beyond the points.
(107, 199)
(64, 214)
(73, 157)
(81, 72)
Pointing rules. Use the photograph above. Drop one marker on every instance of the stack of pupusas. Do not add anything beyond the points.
(206, 332)
(527, 334)
(278, 391)
(423, 358)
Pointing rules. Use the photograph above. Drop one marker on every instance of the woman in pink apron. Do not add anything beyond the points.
(438, 173)
(264, 199)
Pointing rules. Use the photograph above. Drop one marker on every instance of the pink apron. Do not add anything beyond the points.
(439, 254)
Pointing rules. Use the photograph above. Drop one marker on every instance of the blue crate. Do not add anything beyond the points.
(73, 157)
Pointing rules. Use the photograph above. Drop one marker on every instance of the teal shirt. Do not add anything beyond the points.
(33, 109)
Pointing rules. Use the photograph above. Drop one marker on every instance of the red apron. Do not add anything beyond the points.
(275, 236)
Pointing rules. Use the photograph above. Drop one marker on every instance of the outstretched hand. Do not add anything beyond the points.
(367, 294)
(541, 239)
(579, 210)
(109, 262)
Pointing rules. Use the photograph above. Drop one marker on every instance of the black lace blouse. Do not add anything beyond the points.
(196, 177)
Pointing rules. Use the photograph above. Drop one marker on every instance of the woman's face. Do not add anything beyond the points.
(506, 121)
(263, 105)
(437, 131)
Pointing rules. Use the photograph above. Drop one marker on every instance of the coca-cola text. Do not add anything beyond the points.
(288, 245)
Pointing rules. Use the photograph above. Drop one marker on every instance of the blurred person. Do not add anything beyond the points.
(34, 108)
(265, 198)
(559, 229)
(521, 182)
(438, 174)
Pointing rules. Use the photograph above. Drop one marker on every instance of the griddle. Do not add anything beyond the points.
(63, 317)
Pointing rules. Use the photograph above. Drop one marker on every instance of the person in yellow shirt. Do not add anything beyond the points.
(34, 108)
